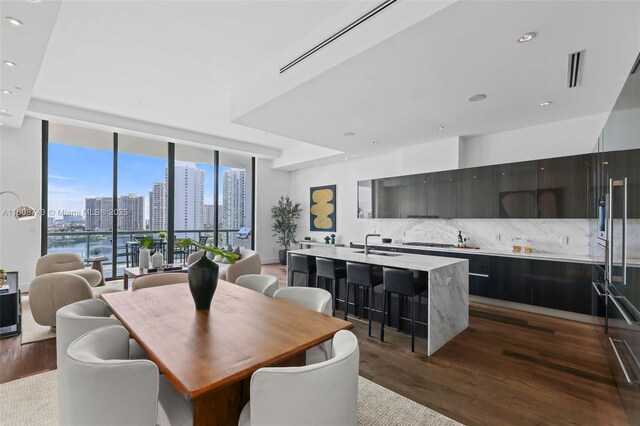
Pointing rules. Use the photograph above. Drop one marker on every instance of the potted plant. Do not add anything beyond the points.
(203, 274)
(284, 215)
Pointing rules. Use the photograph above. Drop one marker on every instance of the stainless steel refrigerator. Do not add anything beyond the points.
(616, 252)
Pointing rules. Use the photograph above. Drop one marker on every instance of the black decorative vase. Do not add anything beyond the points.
(283, 257)
(203, 281)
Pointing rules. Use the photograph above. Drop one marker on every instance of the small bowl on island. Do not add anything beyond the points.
(386, 240)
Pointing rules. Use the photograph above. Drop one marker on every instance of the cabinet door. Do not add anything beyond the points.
(560, 285)
(442, 194)
(515, 190)
(511, 279)
(564, 187)
(620, 165)
(475, 192)
(387, 197)
(365, 199)
(413, 196)
(479, 273)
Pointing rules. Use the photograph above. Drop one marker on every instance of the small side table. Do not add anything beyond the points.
(97, 265)
(10, 316)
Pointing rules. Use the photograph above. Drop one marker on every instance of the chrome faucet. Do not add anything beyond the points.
(366, 242)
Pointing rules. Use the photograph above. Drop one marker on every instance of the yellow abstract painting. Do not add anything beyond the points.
(323, 208)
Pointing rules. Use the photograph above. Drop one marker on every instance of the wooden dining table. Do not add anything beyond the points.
(210, 355)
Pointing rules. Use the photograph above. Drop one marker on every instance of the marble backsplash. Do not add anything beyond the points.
(545, 234)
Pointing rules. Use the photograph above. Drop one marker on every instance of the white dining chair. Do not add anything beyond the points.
(320, 394)
(107, 388)
(316, 299)
(72, 321)
(156, 280)
(265, 284)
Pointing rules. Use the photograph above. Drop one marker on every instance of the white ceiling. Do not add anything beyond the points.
(399, 91)
(167, 68)
(171, 62)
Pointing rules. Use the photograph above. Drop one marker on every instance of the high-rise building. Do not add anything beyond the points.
(158, 207)
(209, 216)
(234, 199)
(132, 212)
(189, 196)
(98, 213)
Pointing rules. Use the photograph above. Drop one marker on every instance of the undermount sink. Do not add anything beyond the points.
(378, 253)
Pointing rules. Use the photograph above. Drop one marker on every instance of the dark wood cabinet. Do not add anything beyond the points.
(561, 285)
(475, 192)
(413, 196)
(515, 190)
(442, 194)
(620, 164)
(511, 279)
(479, 273)
(387, 197)
(563, 187)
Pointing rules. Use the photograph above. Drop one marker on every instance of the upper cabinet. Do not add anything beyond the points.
(413, 196)
(515, 190)
(475, 192)
(564, 188)
(442, 195)
(386, 194)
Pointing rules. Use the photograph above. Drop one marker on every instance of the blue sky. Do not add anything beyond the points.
(76, 173)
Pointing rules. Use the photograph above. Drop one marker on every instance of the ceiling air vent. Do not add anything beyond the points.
(576, 63)
(370, 14)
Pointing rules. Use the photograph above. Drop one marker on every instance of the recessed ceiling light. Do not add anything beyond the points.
(3, 110)
(375, 142)
(9, 63)
(349, 133)
(14, 21)
(6, 92)
(526, 37)
(346, 158)
(34, 1)
(5, 113)
(440, 128)
(478, 97)
(546, 103)
(1, 124)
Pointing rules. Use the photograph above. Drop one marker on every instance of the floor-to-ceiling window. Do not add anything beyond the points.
(235, 177)
(107, 191)
(80, 192)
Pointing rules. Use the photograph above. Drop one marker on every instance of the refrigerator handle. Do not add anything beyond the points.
(609, 252)
(624, 234)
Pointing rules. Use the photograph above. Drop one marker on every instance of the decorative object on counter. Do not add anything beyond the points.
(284, 215)
(516, 244)
(327, 239)
(387, 240)
(144, 257)
(464, 243)
(528, 246)
(157, 259)
(333, 238)
(322, 213)
(203, 274)
(460, 240)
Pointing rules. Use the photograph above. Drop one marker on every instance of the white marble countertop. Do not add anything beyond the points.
(558, 257)
(417, 262)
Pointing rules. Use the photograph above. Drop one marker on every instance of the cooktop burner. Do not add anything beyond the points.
(438, 245)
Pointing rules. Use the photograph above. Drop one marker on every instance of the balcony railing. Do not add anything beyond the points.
(99, 243)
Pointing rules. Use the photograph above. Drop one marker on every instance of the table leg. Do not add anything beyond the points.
(126, 281)
(223, 406)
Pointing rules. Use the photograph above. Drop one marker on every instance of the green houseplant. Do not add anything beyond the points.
(284, 215)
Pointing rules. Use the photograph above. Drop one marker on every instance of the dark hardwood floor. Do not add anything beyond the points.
(509, 367)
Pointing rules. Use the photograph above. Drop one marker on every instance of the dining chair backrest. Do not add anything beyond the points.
(316, 299)
(320, 394)
(107, 388)
(265, 284)
(203, 240)
(156, 280)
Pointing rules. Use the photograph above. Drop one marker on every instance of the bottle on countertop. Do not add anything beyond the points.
(460, 240)
(464, 243)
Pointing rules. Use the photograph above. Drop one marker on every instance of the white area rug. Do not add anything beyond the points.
(32, 331)
(33, 401)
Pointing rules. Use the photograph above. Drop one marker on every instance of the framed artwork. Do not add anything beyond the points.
(322, 209)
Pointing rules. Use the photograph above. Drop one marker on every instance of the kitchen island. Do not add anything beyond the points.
(448, 286)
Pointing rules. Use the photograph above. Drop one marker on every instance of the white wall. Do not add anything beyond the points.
(20, 171)
(558, 139)
(270, 185)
